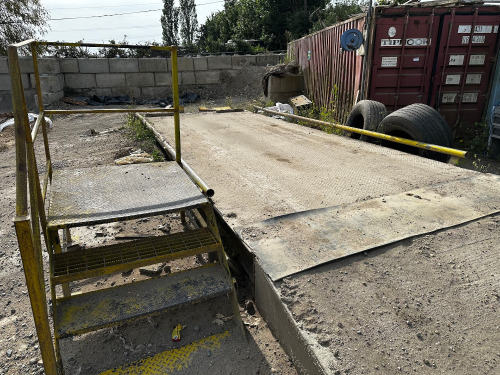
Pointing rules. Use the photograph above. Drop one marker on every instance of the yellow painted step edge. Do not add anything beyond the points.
(167, 362)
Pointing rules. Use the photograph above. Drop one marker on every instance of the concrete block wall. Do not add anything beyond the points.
(137, 77)
(280, 89)
(51, 82)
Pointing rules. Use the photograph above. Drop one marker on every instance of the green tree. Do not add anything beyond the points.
(332, 14)
(170, 23)
(20, 20)
(188, 20)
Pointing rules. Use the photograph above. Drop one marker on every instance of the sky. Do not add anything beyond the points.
(138, 27)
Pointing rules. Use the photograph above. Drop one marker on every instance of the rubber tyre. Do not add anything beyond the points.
(366, 115)
(421, 123)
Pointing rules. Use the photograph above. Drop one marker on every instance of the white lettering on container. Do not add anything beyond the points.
(456, 60)
(473, 79)
(449, 97)
(416, 41)
(478, 29)
(476, 59)
(389, 61)
(476, 39)
(390, 42)
(452, 79)
(464, 29)
(469, 97)
(483, 29)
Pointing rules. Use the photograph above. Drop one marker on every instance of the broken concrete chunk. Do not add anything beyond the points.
(135, 159)
(151, 271)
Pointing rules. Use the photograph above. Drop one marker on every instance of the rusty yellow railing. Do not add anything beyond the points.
(30, 220)
(409, 142)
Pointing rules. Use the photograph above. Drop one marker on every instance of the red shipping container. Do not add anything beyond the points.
(440, 55)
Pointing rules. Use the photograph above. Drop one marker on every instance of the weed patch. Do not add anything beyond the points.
(145, 138)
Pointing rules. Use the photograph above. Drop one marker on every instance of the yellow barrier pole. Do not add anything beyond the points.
(404, 141)
(34, 281)
(175, 89)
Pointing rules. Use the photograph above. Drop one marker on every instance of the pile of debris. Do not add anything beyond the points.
(100, 100)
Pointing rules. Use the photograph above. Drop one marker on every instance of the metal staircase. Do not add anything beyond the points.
(107, 194)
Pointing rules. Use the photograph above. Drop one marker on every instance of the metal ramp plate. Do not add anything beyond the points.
(91, 311)
(90, 196)
(292, 243)
(71, 266)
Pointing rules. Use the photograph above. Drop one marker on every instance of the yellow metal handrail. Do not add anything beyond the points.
(404, 141)
(30, 220)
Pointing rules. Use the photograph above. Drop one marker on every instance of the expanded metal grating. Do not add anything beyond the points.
(103, 260)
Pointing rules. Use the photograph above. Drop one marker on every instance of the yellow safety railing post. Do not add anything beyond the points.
(28, 245)
(175, 89)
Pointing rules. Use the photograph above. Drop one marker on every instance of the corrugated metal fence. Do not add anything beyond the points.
(332, 76)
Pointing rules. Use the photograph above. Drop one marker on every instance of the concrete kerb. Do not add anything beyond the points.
(110, 80)
(207, 77)
(187, 78)
(200, 63)
(283, 326)
(80, 81)
(185, 64)
(49, 83)
(163, 79)
(239, 62)
(49, 66)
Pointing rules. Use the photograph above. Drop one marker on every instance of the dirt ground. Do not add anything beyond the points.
(427, 305)
(96, 352)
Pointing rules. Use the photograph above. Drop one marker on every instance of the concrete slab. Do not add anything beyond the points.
(98, 65)
(421, 304)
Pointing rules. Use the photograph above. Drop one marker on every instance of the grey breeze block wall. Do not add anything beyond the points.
(137, 77)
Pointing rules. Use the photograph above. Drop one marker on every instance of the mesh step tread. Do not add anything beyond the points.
(91, 311)
(82, 264)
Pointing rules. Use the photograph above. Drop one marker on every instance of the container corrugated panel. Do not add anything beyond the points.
(464, 67)
(441, 56)
(402, 60)
(332, 76)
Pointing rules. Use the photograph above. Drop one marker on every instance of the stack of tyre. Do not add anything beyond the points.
(417, 122)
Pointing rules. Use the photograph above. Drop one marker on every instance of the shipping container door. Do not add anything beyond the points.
(464, 65)
(404, 52)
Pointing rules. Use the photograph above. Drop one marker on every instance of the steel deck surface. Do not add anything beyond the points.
(263, 168)
(293, 243)
(110, 193)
